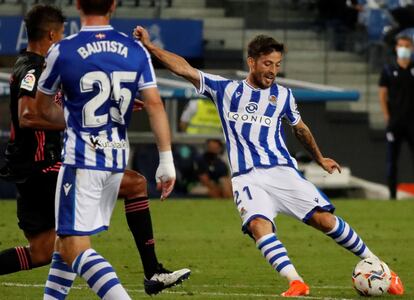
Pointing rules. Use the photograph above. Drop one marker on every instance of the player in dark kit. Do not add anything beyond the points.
(33, 159)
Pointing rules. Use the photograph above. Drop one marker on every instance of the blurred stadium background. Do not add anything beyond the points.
(333, 70)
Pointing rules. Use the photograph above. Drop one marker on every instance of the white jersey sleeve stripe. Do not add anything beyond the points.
(119, 156)
(292, 112)
(280, 139)
(69, 157)
(147, 76)
(222, 107)
(212, 85)
(50, 78)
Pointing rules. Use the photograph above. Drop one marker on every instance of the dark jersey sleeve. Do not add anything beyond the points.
(385, 77)
(28, 82)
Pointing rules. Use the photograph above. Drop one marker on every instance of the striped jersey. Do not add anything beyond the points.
(252, 121)
(99, 71)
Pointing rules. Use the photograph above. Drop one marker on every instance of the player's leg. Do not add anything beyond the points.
(35, 211)
(257, 211)
(272, 249)
(134, 190)
(37, 254)
(345, 236)
(93, 193)
(60, 277)
(340, 231)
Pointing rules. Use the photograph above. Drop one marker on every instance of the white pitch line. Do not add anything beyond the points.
(211, 294)
(35, 285)
(250, 295)
(328, 287)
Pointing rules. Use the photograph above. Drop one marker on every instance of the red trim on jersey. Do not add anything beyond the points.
(136, 206)
(24, 262)
(54, 168)
(150, 242)
(40, 151)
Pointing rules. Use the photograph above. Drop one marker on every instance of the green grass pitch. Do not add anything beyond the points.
(205, 236)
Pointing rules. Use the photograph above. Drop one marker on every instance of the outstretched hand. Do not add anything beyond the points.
(166, 187)
(165, 177)
(141, 34)
(329, 165)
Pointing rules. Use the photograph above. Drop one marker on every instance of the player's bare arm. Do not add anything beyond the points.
(171, 61)
(30, 118)
(304, 135)
(383, 97)
(161, 129)
(47, 111)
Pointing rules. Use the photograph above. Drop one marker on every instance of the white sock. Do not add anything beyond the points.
(59, 280)
(99, 275)
(346, 237)
(276, 254)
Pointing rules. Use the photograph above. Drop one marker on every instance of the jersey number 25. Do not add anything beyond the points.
(121, 95)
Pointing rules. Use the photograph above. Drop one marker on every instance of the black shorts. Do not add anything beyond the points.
(36, 202)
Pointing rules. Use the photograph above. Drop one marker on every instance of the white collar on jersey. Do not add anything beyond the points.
(96, 28)
(250, 86)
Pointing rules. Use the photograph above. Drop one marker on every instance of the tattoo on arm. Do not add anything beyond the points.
(305, 137)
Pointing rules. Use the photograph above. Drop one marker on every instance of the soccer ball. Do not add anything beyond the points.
(371, 277)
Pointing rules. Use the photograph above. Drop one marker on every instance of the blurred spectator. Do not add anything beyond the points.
(402, 13)
(200, 117)
(341, 16)
(396, 94)
(185, 157)
(213, 172)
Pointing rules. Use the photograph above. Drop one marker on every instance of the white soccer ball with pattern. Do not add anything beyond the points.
(371, 277)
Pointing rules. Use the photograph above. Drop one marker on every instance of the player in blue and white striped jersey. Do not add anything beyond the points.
(99, 71)
(265, 177)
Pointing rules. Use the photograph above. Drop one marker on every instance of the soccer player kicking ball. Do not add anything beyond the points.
(251, 113)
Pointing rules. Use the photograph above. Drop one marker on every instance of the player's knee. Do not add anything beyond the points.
(41, 247)
(324, 221)
(41, 254)
(259, 227)
(135, 185)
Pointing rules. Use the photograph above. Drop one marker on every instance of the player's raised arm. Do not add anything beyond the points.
(165, 174)
(304, 135)
(171, 61)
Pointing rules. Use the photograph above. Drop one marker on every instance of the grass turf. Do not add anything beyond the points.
(205, 236)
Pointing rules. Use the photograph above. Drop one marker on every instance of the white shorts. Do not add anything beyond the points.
(267, 192)
(85, 199)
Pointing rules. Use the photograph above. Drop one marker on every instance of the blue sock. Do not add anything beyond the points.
(59, 280)
(276, 254)
(345, 236)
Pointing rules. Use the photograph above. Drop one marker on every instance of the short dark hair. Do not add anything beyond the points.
(404, 38)
(263, 45)
(95, 7)
(40, 19)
